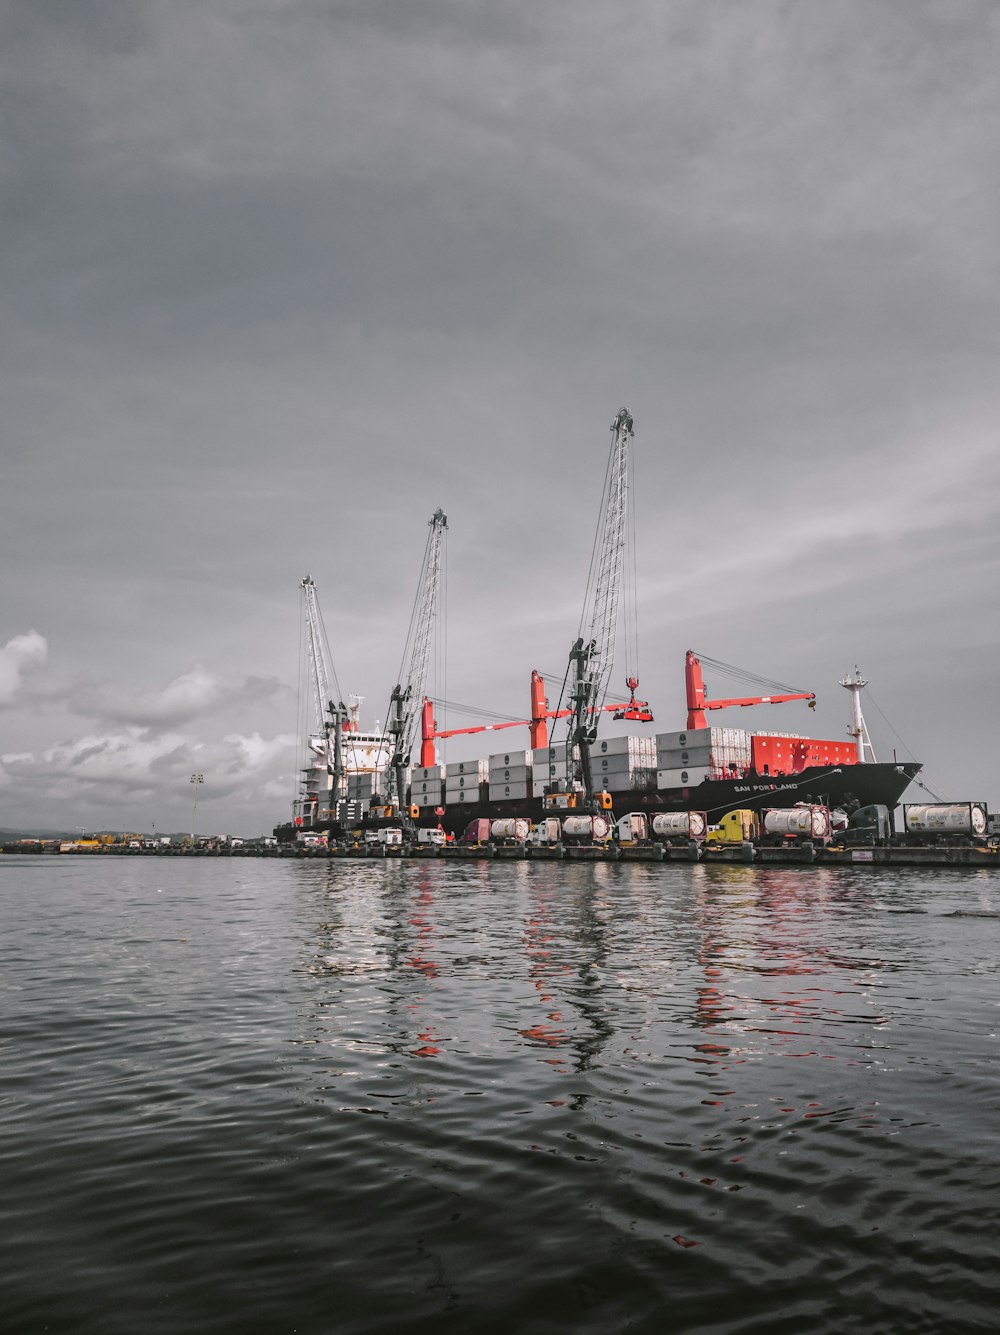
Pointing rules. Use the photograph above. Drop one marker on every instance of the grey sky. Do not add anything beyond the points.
(280, 278)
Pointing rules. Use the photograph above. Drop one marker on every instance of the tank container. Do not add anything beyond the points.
(597, 828)
(680, 824)
(814, 822)
(515, 828)
(946, 818)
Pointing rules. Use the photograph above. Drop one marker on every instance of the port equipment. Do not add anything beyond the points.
(329, 717)
(695, 685)
(592, 655)
(540, 714)
(406, 699)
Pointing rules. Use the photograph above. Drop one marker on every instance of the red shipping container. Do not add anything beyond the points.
(791, 755)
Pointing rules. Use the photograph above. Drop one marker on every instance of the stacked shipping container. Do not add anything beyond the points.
(510, 776)
(425, 785)
(685, 759)
(462, 779)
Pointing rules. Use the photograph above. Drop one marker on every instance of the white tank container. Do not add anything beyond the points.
(597, 828)
(805, 820)
(946, 818)
(680, 824)
(516, 828)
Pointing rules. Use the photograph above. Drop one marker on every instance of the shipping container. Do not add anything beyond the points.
(478, 769)
(553, 755)
(680, 824)
(681, 778)
(508, 792)
(680, 757)
(512, 774)
(421, 772)
(628, 781)
(946, 818)
(811, 821)
(624, 746)
(505, 759)
(774, 753)
(454, 796)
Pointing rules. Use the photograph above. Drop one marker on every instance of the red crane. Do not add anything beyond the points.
(697, 704)
(540, 712)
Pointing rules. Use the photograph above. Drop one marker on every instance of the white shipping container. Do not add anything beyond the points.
(426, 789)
(676, 757)
(504, 759)
(681, 778)
(508, 792)
(623, 746)
(478, 768)
(512, 774)
(553, 755)
(459, 781)
(420, 772)
(454, 796)
(616, 764)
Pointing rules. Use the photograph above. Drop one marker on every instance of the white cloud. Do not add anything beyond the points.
(17, 657)
(190, 695)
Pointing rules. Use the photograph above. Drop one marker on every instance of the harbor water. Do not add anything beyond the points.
(246, 1095)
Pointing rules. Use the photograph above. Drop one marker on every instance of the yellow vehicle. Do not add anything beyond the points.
(736, 827)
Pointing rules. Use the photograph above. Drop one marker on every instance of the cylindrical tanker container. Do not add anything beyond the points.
(804, 822)
(587, 829)
(514, 829)
(946, 818)
(680, 825)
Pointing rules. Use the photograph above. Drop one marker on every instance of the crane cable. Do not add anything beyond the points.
(741, 674)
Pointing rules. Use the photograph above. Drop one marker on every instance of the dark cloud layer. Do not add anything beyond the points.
(280, 278)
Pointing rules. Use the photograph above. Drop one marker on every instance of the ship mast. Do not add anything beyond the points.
(858, 729)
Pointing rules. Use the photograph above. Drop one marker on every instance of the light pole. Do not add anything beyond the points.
(195, 779)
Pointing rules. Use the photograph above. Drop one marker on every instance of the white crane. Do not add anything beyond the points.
(324, 737)
(592, 656)
(407, 699)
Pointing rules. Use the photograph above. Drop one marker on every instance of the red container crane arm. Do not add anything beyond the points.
(697, 703)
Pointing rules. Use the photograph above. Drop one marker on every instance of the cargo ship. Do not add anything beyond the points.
(700, 768)
(355, 780)
(713, 770)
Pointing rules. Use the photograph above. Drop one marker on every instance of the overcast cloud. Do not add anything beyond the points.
(280, 277)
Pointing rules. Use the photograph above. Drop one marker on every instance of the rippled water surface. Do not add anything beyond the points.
(346, 1097)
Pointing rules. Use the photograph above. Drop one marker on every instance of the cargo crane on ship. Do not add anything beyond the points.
(592, 656)
(407, 700)
(325, 741)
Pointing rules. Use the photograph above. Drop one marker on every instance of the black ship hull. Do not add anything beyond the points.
(848, 787)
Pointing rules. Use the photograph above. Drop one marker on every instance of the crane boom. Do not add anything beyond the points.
(406, 699)
(592, 656)
(325, 738)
